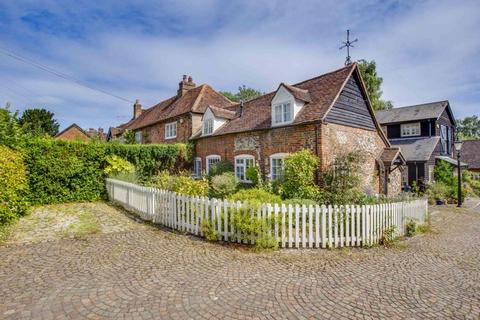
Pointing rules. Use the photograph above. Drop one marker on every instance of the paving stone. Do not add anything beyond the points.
(148, 273)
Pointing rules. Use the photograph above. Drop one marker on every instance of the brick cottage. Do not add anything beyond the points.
(330, 115)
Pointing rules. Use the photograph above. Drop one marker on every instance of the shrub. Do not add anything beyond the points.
(437, 191)
(255, 197)
(388, 237)
(255, 176)
(295, 201)
(443, 172)
(117, 165)
(13, 185)
(220, 168)
(182, 183)
(411, 228)
(62, 171)
(150, 159)
(299, 175)
(223, 185)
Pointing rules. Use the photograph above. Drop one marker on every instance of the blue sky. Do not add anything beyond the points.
(425, 50)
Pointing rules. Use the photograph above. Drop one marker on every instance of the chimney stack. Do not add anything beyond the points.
(185, 85)
(137, 109)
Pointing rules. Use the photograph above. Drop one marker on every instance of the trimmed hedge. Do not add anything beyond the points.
(64, 171)
(13, 185)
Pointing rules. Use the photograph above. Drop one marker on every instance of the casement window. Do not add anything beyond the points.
(410, 129)
(444, 139)
(276, 165)
(138, 137)
(208, 126)
(171, 130)
(242, 163)
(282, 113)
(197, 167)
(211, 160)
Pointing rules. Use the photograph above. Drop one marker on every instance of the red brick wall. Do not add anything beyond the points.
(156, 133)
(260, 144)
(73, 134)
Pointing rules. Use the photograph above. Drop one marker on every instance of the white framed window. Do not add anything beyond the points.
(276, 165)
(197, 167)
(282, 113)
(208, 126)
(171, 130)
(410, 129)
(242, 163)
(211, 160)
(138, 137)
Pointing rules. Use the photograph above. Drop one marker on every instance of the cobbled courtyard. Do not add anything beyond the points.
(128, 270)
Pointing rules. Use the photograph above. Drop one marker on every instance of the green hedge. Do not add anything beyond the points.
(63, 171)
(13, 185)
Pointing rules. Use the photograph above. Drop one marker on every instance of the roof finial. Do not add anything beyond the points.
(347, 45)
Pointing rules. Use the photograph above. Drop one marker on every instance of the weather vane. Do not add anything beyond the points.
(347, 45)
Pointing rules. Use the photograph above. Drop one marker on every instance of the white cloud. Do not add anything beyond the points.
(425, 51)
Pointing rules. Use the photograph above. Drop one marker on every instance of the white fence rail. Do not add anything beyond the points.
(293, 226)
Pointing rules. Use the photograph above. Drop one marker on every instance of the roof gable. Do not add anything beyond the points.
(323, 91)
(73, 126)
(431, 110)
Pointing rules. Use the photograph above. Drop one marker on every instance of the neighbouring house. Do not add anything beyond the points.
(470, 153)
(175, 119)
(330, 115)
(425, 133)
(74, 132)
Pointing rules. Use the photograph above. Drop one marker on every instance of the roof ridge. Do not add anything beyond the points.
(302, 82)
(418, 105)
(199, 95)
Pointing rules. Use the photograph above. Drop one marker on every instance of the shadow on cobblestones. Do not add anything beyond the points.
(141, 272)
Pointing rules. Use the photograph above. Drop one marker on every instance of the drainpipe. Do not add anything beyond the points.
(317, 128)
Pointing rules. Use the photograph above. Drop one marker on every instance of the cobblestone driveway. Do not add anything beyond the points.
(151, 274)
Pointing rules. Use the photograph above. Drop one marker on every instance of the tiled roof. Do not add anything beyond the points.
(323, 90)
(416, 149)
(73, 125)
(432, 110)
(223, 113)
(299, 94)
(470, 153)
(194, 100)
(389, 155)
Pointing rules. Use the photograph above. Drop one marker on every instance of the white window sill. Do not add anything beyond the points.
(170, 138)
(279, 124)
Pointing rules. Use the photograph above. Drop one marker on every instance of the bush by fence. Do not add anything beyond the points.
(13, 185)
(270, 224)
(63, 171)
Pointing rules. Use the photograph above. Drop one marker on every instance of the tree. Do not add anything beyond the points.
(10, 132)
(373, 82)
(39, 122)
(468, 128)
(244, 94)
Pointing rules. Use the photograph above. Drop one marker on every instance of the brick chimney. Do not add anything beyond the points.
(137, 109)
(185, 85)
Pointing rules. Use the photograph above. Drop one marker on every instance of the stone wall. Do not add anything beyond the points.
(340, 140)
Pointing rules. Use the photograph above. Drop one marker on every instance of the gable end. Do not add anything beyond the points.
(351, 109)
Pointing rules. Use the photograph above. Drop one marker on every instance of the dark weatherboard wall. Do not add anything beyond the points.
(351, 109)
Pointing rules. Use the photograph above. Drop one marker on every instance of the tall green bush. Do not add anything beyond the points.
(11, 134)
(299, 175)
(13, 185)
(223, 185)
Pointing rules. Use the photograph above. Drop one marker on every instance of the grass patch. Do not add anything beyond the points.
(6, 230)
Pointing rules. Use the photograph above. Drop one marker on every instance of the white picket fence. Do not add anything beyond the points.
(293, 226)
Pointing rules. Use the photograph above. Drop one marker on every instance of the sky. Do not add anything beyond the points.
(425, 50)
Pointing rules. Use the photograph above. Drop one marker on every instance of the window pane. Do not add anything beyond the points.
(278, 114)
(287, 112)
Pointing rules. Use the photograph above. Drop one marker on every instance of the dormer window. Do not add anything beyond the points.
(410, 129)
(283, 113)
(287, 103)
(208, 126)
